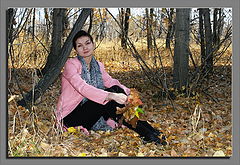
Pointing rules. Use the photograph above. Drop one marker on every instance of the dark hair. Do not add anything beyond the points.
(79, 34)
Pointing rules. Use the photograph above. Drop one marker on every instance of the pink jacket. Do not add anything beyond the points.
(74, 88)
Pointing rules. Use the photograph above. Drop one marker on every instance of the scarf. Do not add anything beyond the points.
(93, 76)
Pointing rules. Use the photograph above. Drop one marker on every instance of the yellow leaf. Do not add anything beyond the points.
(82, 154)
(72, 130)
(108, 132)
(136, 113)
(140, 154)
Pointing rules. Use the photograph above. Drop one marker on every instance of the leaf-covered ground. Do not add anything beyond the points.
(193, 128)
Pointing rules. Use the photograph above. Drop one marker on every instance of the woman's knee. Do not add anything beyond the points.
(115, 89)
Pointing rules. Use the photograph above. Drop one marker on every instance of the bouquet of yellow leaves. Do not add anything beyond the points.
(132, 112)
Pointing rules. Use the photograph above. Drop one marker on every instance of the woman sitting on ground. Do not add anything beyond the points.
(89, 95)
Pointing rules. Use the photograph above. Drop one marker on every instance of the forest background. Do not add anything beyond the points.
(179, 59)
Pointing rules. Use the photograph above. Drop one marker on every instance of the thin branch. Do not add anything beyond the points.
(147, 70)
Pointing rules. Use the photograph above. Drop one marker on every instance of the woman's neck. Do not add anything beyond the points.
(88, 60)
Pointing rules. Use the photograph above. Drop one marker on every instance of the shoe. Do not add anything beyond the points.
(152, 138)
(157, 132)
(147, 132)
(153, 130)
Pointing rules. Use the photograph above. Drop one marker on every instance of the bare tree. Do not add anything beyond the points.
(124, 21)
(181, 49)
(217, 27)
(149, 20)
(126, 25)
(207, 56)
(10, 22)
(33, 23)
(201, 33)
(209, 50)
(170, 29)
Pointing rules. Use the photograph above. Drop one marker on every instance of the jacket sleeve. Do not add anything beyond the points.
(108, 81)
(72, 74)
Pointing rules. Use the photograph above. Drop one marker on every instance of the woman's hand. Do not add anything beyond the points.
(120, 98)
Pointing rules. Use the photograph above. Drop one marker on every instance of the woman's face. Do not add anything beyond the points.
(84, 46)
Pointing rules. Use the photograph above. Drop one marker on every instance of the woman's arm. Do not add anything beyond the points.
(72, 74)
(108, 81)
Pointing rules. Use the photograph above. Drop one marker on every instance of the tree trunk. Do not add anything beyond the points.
(33, 24)
(124, 21)
(150, 45)
(220, 24)
(103, 24)
(208, 40)
(46, 15)
(10, 22)
(90, 22)
(55, 69)
(149, 28)
(217, 28)
(215, 24)
(170, 29)
(126, 26)
(181, 54)
(202, 36)
(57, 34)
(66, 25)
